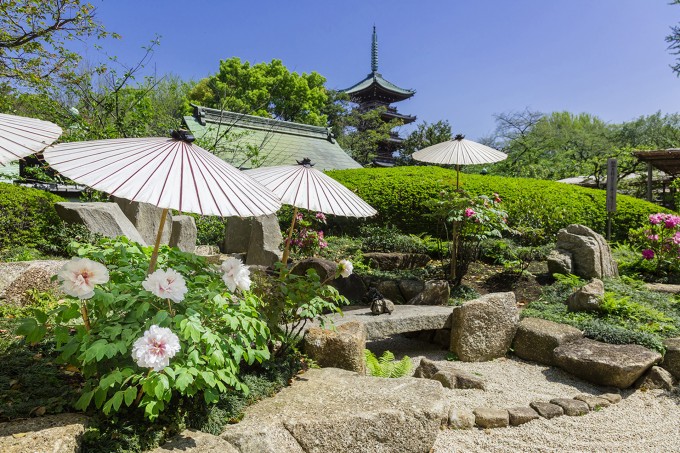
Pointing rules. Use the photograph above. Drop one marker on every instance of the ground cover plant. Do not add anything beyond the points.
(629, 312)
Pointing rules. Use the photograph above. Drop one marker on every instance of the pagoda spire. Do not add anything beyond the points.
(374, 51)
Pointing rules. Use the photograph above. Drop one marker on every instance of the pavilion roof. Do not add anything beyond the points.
(376, 83)
(278, 142)
(666, 160)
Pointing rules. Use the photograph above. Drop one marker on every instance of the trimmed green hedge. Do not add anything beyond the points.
(27, 216)
(399, 194)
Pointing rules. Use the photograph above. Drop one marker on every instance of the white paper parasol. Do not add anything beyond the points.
(305, 187)
(21, 136)
(171, 173)
(459, 151)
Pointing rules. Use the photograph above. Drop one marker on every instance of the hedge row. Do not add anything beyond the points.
(27, 216)
(399, 194)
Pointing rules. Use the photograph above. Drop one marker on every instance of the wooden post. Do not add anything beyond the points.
(286, 249)
(154, 255)
(649, 181)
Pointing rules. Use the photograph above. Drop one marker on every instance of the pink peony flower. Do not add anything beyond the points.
(299, 216)
(655, 219)
(469, 212)
(235, 274)
(671, 221)
(166, 284)
(648, 254)
(79, 276)
(321, 216)
(155, 348)
(496, 198)
(345, 268)
(676, 238)
(653, 237)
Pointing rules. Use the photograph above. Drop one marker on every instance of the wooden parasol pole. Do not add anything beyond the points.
(286, 250)
(154, 255)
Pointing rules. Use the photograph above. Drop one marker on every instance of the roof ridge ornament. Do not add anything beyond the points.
(374, 51)
(306, 162)
(183, 135)
(459, 137)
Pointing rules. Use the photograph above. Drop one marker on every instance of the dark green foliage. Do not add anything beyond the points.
(631, 314)
(389, 239)
(515, 258)
(210, 229)
(27, 217)
(400, 195)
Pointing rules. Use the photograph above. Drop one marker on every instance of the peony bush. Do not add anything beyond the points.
(143, 341)
(659, 242)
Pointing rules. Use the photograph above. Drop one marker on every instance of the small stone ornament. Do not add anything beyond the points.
(379, 305)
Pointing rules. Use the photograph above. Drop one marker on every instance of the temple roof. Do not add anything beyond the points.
(278, 142)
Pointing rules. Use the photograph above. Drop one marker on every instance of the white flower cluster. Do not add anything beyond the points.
(155, 348)
(79, 276)
(235, 274)
(166, 284)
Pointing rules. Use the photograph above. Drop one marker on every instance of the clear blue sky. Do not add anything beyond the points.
(467, 59)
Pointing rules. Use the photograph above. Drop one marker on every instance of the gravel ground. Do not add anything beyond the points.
(643, 422)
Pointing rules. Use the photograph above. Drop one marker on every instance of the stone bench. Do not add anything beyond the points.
(405, 318)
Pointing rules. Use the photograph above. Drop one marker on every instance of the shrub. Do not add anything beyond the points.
(386, 366)
(400, 195)
(387, 238)
(659, 240)
(27, 217)
(111, 333)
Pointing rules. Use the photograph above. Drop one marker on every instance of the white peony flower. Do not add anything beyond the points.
(155, 348)
(345, 268)
(236, 274)
(79, 276)
(166, 284)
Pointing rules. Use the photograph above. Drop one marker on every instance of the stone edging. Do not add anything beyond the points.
(486, 418)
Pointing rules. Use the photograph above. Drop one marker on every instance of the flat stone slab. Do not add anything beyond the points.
(663, 288)
(593, 402)
(571, 407)
(547, 410)
(192, 441)
(328, 410)
(616, 365)
(536, 339)
(404, 318)
(491, 418)
(521, 415)
(53, 433)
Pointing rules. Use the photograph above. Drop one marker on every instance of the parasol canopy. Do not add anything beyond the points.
(459, 151)
(305, 187)
(21, 136)
(170, 173)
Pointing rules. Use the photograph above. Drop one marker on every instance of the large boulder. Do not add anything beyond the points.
(331, 410)
(324, 268)
(352, 287)
(390, 290)
(146, 218)
(587, 250)
(16, 279)
(184, 233)
(395, 261)
(106, 219)
(536, 339)
(341, 348)
(411, 288)
(435, 292)
(587, 298)
(616, 365)
(671, 360)
(265, 240)
(483, 329)
(53, 433)
(237, 234)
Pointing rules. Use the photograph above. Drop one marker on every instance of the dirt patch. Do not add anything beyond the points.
(491, 278)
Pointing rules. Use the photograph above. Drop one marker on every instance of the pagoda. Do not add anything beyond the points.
(375, 92)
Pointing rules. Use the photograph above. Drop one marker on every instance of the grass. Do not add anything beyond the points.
(630, 313)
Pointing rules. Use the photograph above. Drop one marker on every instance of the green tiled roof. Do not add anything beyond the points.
(9, 171)
(279, 142)
(377, 79)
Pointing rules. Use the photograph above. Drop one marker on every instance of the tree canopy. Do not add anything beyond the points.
(34, 38)
(264, 89)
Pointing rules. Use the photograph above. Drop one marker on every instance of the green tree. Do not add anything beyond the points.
(673, 41)
(264, 89)
(34, 37)
(425, 135)
(363, 132)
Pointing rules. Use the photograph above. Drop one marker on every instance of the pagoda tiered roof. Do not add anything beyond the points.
(374, 86)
